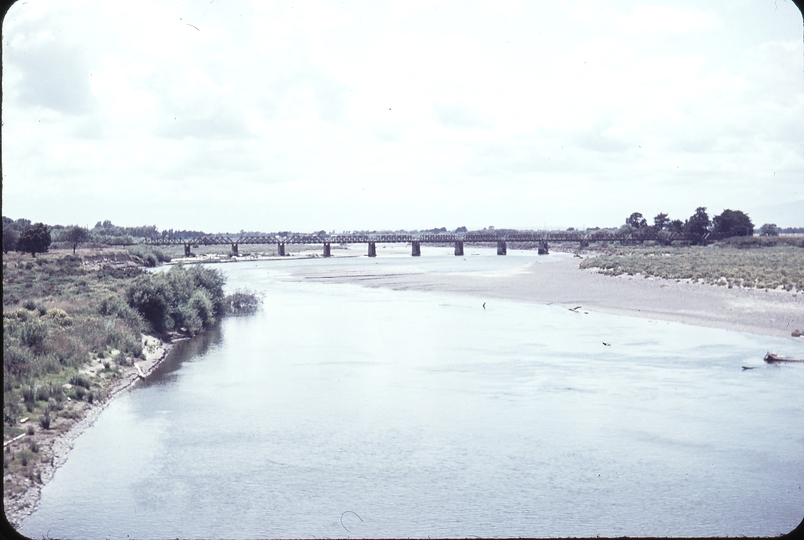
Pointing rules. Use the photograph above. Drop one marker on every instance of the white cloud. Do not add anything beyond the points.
(386, 115)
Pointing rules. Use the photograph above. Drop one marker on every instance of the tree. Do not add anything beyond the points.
(732, 223)
(76, 235)
(769, 229)
(9, 239)
(660, 222)
(35, 239)
(636, 221)
(676, 226)
(698, 224)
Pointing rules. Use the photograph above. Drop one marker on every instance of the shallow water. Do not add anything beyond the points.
(344, 411)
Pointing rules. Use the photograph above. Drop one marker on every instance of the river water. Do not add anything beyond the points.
(343, 411)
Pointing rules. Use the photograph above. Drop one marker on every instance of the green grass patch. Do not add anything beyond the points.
(771, 267)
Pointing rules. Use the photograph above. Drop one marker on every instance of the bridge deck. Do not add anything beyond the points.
(213, 240)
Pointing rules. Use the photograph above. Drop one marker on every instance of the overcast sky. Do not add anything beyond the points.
(229, 115)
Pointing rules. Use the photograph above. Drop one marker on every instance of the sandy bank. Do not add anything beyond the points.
(562, 282)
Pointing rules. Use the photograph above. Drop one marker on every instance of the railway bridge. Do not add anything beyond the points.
(415, 240)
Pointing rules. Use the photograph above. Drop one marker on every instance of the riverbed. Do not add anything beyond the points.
(341, 410)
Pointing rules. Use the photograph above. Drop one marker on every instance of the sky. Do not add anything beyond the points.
(363, 115)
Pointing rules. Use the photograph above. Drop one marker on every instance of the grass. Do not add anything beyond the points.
(54, 323)
(778, 266)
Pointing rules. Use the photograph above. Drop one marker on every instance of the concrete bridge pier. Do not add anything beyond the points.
(543, 249)
(372, 249)
(502, 248)
(459, 247)
(416, 249)
(584, 243)
(187, 251)
(234, 249)
(280, 249)
(327, 247)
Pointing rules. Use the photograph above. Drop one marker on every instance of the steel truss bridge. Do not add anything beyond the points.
(416, 240)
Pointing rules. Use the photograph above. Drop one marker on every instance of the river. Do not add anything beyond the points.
(344, 411)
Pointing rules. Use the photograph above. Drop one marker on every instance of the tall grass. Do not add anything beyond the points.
(773, 267)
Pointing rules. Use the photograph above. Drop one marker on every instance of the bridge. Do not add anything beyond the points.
(416, 240)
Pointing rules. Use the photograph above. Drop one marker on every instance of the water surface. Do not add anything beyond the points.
(342, 411)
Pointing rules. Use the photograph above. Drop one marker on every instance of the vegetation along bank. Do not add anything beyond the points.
(77, 329)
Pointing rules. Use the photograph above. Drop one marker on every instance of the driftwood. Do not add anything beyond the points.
(773, 358)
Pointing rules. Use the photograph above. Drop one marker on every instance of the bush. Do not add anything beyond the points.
(148, 255)
(79, 380)
(243, 301)
(44, 420)
(59, 316)
(33, 333)
(178, 298)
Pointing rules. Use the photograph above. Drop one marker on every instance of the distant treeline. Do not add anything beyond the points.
(22, 235)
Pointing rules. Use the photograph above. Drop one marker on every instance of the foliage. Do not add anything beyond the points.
(698, 225)
(660, 222)
(636, 221)
(243, 301)
(148, 255)
(75, 235)
(178, 299)
(732, 223)
(773, 267)
(769, 229)
(10, 237)
(35, 239)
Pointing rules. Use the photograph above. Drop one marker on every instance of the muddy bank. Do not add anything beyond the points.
(561, 281)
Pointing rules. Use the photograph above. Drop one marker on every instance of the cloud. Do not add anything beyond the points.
(52, 76)
(459, 116)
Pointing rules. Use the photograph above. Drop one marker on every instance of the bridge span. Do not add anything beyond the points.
(415, 240)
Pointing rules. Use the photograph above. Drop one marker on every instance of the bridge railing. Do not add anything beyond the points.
(535, 237)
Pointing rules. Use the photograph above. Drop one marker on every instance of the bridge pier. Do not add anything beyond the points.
(459, 247)
(280, 249)
(187, 251)
(416, 249)
(234, 249)
(372, 249)
(584, 243)
(543, 249)
(327, 252)
(502, 248)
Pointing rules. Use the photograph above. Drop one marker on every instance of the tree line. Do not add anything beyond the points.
(727, 224)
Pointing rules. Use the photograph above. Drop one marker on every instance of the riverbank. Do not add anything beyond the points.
(558, 279)
(53, 445)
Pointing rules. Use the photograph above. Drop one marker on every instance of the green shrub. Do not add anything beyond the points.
(29, 394)
(243, 301)
(79, 380)
(44, 420)
(33, 333)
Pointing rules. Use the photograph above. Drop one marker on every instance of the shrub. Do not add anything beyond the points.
(33, 333)
(44, 420)
(43, 393)
(17, 361)
(59, 316)
(29, 394)
(79, 380)
(243, 301)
